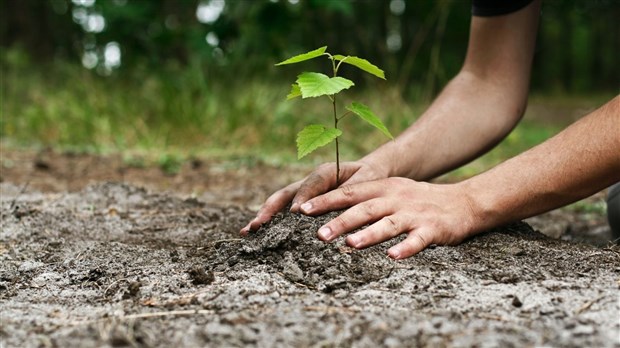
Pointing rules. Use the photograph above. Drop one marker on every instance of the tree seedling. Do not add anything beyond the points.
(313, 84)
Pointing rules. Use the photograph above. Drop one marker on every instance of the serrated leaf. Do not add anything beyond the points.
(365, 114)
(294, 93)
(362, 64)
(304, 56)
(314, 136)
(314, 84)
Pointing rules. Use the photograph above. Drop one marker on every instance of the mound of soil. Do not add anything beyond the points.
(117, 265)
(288, 245)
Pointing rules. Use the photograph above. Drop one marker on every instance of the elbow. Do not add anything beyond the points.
(502, 99)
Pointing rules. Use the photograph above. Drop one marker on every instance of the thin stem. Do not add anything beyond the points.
(337, 149)
(333, 98)
(338, 66)
(334, 67)
(344, 115)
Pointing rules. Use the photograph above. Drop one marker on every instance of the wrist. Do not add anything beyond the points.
(392, 162)
(379, 163)
(480, 202)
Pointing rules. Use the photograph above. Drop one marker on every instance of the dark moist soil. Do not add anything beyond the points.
(115, 264)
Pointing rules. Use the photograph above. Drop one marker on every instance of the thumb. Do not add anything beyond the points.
(318, 182)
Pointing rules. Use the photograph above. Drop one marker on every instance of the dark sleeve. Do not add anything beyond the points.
(488, 8)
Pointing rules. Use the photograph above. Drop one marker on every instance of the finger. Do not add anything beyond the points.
(275, 203)
(387, 228)
(356, 174)
(355, 217)
(343, 197)
(318, 182)
(417, 241)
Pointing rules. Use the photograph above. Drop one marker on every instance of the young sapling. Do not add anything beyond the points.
(313, 84)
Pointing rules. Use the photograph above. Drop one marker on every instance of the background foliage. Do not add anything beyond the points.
(200, 73)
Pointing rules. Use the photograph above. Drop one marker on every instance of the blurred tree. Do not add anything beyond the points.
(42, 28)
(420, 44)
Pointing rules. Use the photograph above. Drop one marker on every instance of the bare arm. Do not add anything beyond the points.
(577, 162)
(474, 112)
(477, 109)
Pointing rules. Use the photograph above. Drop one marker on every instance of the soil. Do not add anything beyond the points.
(96, 254)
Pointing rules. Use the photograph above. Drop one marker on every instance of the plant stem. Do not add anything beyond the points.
(337, 149)
(344, 115)
(335, 68)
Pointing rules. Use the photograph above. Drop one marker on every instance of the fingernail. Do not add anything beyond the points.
(295, 207)
(325, 233)
(306, 207)
(394, 253)
(353, 241)
(249, 226)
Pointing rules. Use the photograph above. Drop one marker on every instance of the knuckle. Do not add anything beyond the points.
(394, 182)
(341, 223)
(368, 209)
(392, 224)
(422, 240)
(347, 191)
(391, 181)
(417, 241)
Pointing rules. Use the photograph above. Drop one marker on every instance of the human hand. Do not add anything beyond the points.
(428, 213)
(322, 180)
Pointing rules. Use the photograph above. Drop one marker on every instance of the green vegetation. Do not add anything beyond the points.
(195, 78)
(170, 164)
(312, 85)
(185, 112)
(60, 105)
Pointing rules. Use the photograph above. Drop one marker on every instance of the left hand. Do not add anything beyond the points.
(428, 213)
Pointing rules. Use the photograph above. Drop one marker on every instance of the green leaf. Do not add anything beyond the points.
(294, 93)
(365, 114)
(314, 136)
(315, 84)
(305, 56)
(362, 64)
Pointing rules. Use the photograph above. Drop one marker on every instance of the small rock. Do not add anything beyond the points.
(233, 260)
(41, 164)
(584, 330)
(200, 277)
(516, 302)
(132, 290)
(292, 272)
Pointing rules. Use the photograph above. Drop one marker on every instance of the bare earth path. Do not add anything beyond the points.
(157, 261)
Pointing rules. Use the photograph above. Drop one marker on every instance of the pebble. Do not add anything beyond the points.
(516, 302)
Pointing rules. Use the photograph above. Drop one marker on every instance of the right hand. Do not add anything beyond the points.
(322, 180)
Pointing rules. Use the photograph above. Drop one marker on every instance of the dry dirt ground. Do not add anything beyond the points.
(97, 253)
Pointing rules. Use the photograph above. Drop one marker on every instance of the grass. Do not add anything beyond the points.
(197, 111)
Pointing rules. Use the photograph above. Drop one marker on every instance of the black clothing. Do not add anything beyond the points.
(613, 211)
(488, 8)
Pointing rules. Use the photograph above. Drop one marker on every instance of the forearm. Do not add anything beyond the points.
(468, 118)
(576, 163)
(477, 108)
